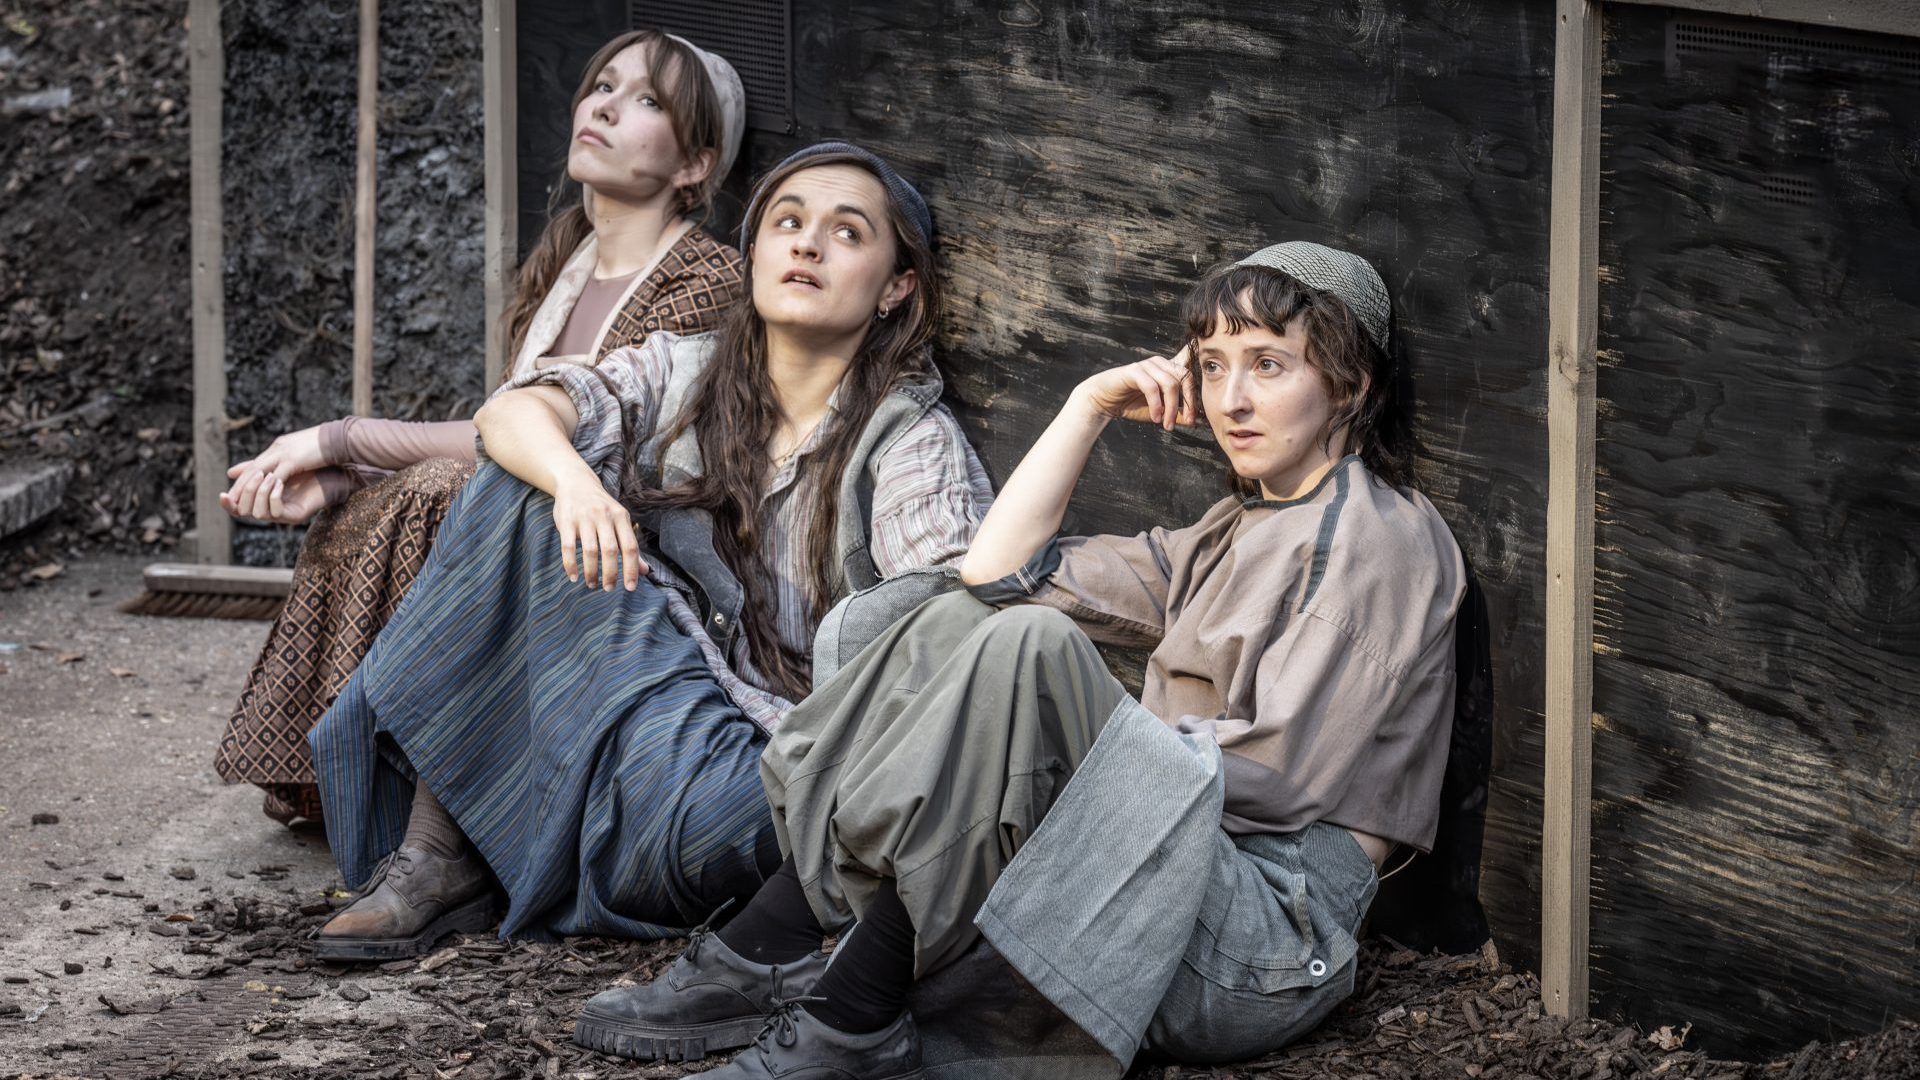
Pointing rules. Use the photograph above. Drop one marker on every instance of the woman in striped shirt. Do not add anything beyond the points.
(576, 700)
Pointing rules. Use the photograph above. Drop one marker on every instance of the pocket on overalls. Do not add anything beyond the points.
(1263, 943)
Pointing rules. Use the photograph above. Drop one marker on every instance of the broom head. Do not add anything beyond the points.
(187, 591)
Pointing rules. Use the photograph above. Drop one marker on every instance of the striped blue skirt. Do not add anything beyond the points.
(576, 735)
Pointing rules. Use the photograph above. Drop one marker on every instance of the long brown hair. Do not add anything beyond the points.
(734, 414)
(692, 105)
(1358, 373)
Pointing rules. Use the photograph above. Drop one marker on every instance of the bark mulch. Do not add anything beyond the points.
(243, 1000)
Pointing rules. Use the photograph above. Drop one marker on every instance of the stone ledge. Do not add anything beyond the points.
(30, 492)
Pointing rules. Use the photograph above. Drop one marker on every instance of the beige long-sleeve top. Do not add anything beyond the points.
(1311, 638)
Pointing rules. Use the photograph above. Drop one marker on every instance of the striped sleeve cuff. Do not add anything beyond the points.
(1022, 583)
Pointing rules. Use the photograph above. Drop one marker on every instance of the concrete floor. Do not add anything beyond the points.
(119, 744)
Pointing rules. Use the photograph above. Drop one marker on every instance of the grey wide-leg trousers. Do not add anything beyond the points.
(931, 758)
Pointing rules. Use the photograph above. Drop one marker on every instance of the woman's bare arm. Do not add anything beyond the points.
(1028, 510)
(529, 433)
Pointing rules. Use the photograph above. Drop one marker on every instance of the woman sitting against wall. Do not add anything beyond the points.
(584, 718)
(656, 125)
(1204, 856)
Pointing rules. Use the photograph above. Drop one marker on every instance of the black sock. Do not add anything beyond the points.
(866, 986)
(777, 926)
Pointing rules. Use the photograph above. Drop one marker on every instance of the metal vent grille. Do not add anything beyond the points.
(1693, 40)
(756, 37)
(1788, 190)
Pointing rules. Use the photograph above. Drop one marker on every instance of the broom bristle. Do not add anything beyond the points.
(174, 605)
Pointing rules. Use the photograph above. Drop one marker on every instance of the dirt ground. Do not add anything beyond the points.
(153, 922)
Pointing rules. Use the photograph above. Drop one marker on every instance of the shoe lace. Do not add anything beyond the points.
(780, 1022)
(704, 931)
(398, 860)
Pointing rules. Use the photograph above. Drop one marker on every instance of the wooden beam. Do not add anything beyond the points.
(499, 91)
(1874, 16)
(1572, 336)
(206, 87)
(182, 578)
(363, 208)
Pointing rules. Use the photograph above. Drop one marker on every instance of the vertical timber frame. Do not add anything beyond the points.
(207, 83)
(499, 92)
(1572, 341)
(364, 203)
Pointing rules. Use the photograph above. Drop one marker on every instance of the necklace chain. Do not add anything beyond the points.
(782, 459)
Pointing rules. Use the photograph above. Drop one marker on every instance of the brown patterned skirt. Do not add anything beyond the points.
(358, 562)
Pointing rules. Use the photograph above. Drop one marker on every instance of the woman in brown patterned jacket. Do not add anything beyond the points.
(656, 127)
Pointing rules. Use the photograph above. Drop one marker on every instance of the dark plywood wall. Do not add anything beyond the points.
(1087, 161)
(1756, 765)
(555, 38)
(1756, 833)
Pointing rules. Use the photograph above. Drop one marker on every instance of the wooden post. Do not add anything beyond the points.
(1573, 295)
(363, 207)
(499, 90)
(207, 81)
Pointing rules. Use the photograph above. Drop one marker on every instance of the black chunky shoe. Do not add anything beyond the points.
(796, 1045)
(711, 999)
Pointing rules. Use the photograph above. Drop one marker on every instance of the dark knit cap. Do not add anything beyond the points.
(911, 205)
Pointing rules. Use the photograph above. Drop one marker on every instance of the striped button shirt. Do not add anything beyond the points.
(929, 495)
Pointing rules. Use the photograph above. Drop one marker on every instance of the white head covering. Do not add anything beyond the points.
(1345, 275)
(733, 103)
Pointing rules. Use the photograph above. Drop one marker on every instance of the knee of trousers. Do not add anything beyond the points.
(1032, 626)
(954, 605)
(717, 839)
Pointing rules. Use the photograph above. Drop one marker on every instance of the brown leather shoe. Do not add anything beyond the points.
(414, 899)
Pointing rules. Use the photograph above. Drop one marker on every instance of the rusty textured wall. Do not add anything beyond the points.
(1756, 794)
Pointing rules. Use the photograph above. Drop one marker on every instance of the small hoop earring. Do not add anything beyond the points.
(880, 316)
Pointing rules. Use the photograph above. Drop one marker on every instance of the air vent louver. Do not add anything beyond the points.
(1694, 39)
(756, 37)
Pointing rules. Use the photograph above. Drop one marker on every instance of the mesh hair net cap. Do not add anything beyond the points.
(1347, 276)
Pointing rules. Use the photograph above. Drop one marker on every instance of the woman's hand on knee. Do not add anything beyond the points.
(601, 528)
(294, 452)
